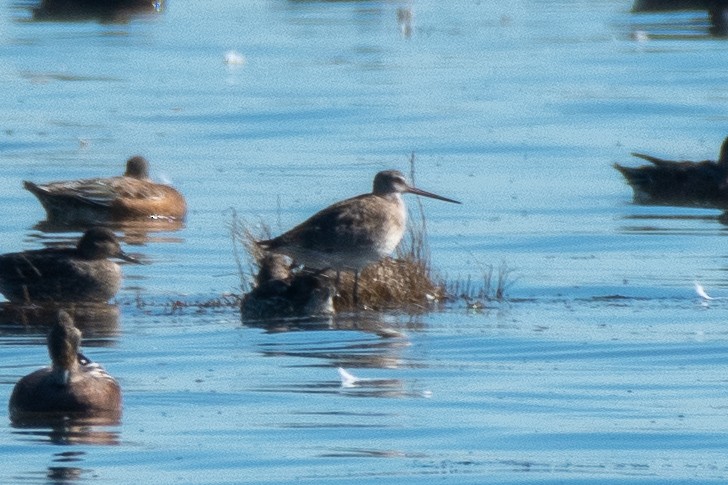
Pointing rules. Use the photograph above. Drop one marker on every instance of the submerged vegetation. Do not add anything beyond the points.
(405, 282)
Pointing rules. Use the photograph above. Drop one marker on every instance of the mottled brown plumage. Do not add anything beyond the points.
(282, 293)
(352, 233)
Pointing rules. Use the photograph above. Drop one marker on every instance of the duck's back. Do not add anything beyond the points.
(677, 183)
(86, 391)
(108, 198)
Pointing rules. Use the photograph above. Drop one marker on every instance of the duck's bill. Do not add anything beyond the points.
(131, 259)
(424, 193)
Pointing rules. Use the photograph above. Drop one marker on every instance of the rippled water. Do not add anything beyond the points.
(603, 366)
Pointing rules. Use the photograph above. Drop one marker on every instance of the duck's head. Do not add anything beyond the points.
(101, 243)
(137, 167)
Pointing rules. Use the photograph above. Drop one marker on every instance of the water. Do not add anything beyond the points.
(603, 366)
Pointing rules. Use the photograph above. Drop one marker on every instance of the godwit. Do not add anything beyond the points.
(352, 233)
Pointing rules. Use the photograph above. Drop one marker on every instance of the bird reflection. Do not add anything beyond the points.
(347, 349)
(108, 11)
(371, 324)
(89, 429)
(133, 232)
(63, 474)
(93, 319)
(717, 11)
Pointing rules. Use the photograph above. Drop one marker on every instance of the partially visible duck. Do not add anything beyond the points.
(685, 183)
(103, 10)
(130, 196)
(717, 10)
(72, 383)
(281, 293)
(80, 274)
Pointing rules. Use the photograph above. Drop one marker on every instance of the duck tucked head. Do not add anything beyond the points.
(273, 267)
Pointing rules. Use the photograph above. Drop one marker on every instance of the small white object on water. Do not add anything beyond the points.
(640, 36)
(347, 379)
(234, 58)
(392, 387)
(701, 292)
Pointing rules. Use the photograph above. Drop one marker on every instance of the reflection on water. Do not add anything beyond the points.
(95, 320)
(369, 453)
(64, 474)
(375, 387)
(692, 26)
(353, 353)
(717, 11)
(96, 429)
(364, 322)
(672, 223)
(383, 351)
(134, 232)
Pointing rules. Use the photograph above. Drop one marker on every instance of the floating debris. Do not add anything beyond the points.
(234, 58)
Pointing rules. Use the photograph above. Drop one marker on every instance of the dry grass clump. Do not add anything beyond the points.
(245, 249)
(401, 283)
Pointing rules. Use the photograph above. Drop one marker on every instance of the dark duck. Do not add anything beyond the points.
(680, 183)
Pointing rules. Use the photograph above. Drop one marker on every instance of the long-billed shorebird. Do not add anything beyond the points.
(352, 233)
(685, 183)
(72, 384)
(130, 196)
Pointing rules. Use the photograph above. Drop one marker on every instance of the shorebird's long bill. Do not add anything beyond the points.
(424, 193)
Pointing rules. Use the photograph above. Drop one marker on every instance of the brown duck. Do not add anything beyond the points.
(80, 274)
(72, 383)
(129, 196)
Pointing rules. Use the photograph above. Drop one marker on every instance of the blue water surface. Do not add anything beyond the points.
(602, 365)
